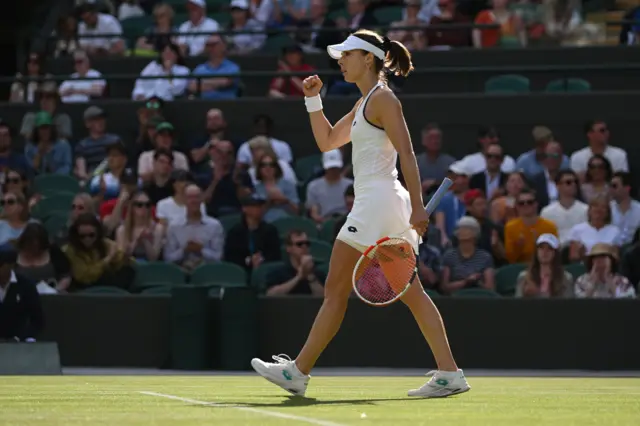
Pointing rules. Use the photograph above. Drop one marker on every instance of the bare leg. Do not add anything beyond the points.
(336, 297)
(430, 323)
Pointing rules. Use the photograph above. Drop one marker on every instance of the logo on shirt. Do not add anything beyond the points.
(352, 229)
(354, 123)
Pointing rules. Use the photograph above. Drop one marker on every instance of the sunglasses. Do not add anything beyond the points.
(13, 180)
(142, 204)
(568, 182)
(153, 105)
(302, 244)
(267, 164)
(88, 235)
(526, 202)
(494, 156)
(77, 206)
(8, 202)
(552, 155)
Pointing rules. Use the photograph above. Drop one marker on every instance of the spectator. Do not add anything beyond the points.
(140, 236)
(491, 235)
(602, 279)
(325, 195)
(503, 208)
(452, 207)
(567, 211)
(359, 15)
(252, 241)
(292, 61)
(216, 130)
(49, 101)
(491, 181)
(433, 164)
(17, 182)
(105, 186)
(14, 218)
(439, 36)
(521, 234)
(597, 178)
(95, 260)
(467, 266)
(631, 261)
(429, 265)
(158, 36)
(75, 90)
(533, 162)
(259, 146)
(129, 9)
(199, 24)
(241, 20)
(21, 316)
(263, 126)
(545, 276)
(299, 274)
(91, 151)
(9, 159)
(99, 24)
(597, 229)
(159, 186)
(66, 34)
(164, 139)
(544, 183)
(195, 238)
(27, 91)
(42, 262)
(476, 163)
(82, 203)
(625, 211)
(413, 39)
(45, 152)
(349, 199)
(321, 36)
(511, 30)
(598, 138)
(208, 86)
(174, 208)
(149, 118)
(225, 185)
(281, 194)
(170, 62)
(114, 211)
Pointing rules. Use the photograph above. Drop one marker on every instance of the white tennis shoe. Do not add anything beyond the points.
(283, 372)
(442, 384)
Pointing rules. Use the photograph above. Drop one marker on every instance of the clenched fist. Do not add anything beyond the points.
(311, 86)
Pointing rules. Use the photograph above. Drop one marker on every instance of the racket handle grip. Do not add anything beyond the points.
(437, 196)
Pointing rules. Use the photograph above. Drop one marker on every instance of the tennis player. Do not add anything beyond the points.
(378, 131)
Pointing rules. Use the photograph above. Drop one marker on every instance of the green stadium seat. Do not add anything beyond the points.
(327, 231)
(387, 15)
(55, 223)
(221, 18)
(158, 273)
(509, 82)
(223, 274)
(324, 268)
(338, 13)
(506, 278)
(285, 224)
(55, 204)
(475, 292)
(259, 274)
(229, 221)
(103, 290)
(135, 27)
(275, 43)
(573, 85)
(50, 184)
(307, 167)
(432, 293)
(157, 289)
(576, 269)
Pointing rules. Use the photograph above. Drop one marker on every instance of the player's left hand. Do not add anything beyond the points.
(419, 220)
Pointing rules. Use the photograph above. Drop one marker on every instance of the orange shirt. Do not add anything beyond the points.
(515, 230)
(491, 37)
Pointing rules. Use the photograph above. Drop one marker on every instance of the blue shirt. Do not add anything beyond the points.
(528, 163)
(58, 160)
(225, 67)
(276, 212)
(112, 184)
(16, 162)
(453, 210)
(7, 233)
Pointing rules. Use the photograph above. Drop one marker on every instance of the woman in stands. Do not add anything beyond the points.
(597, 178)
(281, 194)
(597, 229)
(140, 236)
(14, 219)
(503, 208)
(545, 276)
(379, 135)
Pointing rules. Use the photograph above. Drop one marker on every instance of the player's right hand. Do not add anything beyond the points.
(311, 86)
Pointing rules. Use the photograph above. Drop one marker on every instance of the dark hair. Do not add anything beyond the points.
(562, 173)
(557, 273)
(397, 59)
(431, 126)
(276, 166)
(527, 191)
(607, 167)
(288, 239)
(35, 135)
(174, 47)
(588, 126)
(39, 61)
(163, 152)
(349, 192)
(87, 219)
(23, 177)
(267, 120)
(625, 178)
(34, 232)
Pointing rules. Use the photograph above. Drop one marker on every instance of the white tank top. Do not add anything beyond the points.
(373, 155)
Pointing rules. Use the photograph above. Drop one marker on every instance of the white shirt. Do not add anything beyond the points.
(170, 211)
(287, 172)
(476, 163)
(588, 236)
(127, 10)
(108, 25)
(565, 219)
(196, 43)
(616, 156)
(281, 148)
(627, 222)
(80, 85)
(161, 87)
(145, 161)
(263, 12)
(4, 291)
(552, 189)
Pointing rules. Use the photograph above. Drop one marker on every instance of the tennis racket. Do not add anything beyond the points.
(386, 269)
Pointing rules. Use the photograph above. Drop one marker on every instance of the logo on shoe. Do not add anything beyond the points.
(442, 382)
(287, 375)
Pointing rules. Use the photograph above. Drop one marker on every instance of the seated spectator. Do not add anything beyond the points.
(491, 181)
(597, 229)
(625, 211)
(216, 130)
(491, 235)
(318, 20)
(21, 316)
(598, 135)
(208, 86)
(105, 186)
(597, 178)
(82, 203)
(174, 208)
(503, 208)
(413, 39)
(114, 211)
(40, 261)
(140, 236)
(91, 151)
(27, 92)
(225, 185)
(241, 20)
(477, 162)
(263, 126)
(149, 119)
(170, 62)
(46, 152)
(567, 211)
(252, 241)
(429, 265)
(159, 186)
(281, 195)
(66, 35)
(511, 30)
(452, 207)
(49, 101)
(532, 162)
(9, 159)
(299, 274)
(545, 276)
(292, 61)
(14, 218)
(359, 15)
(325, 195)
(349, 199)
(521, 233)
(544, 183)
(433, 163)
(95, 260)
(198, 22)
(467, 266)
(602, 279)
(74, 90)
(164, 139)
(195, 238)
(158, 36)
(16, 182)
(438, 36)
(259, 146)
(129, 9)
(96, 24)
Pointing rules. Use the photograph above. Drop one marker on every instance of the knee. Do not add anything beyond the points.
(337, 297)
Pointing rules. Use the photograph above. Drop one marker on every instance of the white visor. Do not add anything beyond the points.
(354, 43)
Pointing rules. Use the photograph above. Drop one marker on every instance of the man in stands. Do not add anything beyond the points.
(209, 86)
(95, 24)
(92, 150)
(476, 163)
(164, 140)
(198, 22)
(598, 134)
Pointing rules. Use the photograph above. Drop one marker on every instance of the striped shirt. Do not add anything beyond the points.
(94, 151)
(461, 268)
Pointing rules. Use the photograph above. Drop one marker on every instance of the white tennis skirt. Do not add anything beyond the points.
(381, 208)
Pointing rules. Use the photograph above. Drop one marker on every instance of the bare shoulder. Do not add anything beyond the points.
(384, 99)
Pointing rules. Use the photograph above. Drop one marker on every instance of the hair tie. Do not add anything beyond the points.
(386, 44)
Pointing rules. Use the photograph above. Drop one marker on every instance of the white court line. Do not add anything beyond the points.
(246, 409)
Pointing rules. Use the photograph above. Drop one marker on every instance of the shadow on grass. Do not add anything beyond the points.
(299, 401)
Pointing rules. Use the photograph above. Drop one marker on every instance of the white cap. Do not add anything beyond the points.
(550, 239)
(240, 4)
(200, 3)
(354, 43)
(459, 168)
(331, 159)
